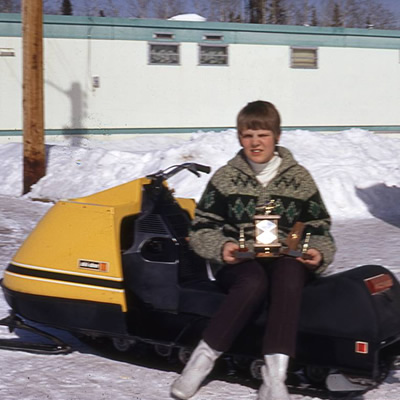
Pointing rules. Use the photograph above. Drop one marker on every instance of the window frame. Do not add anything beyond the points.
(151, 53)
(219, 45)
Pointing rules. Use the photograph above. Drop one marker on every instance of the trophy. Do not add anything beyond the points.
(266, 242)
(265, 233)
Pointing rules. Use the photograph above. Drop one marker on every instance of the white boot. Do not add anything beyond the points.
(274, 376)
(200, 364)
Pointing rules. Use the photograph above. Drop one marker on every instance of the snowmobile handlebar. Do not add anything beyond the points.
(202, 168)
(174, 169)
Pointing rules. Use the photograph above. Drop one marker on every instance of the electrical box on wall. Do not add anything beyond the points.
(96, 82)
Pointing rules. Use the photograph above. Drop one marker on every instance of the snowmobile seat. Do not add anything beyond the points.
(342, 305)
(363, 302)
(200, 298)
(349, 317)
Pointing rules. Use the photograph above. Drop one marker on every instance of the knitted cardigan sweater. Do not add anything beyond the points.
(230, 199)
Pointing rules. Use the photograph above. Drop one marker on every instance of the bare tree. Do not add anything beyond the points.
(226, 10)
(337, 18)
(276, 12)
(357, 14)
(168, 8)
(102, 8)
(378, 16)
(314, 17)
(257, 11)
(139, 8)
(304, 13)
(267, 11)
(112, 9)
(327, 12)
(298, 12)
(352, 17)
(202, 8)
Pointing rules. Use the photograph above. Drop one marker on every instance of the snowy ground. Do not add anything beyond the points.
(363, 181)
(86, 374)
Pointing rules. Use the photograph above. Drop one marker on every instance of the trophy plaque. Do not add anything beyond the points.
(266, 232)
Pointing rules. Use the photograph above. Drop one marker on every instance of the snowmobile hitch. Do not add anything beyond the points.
(14, 322)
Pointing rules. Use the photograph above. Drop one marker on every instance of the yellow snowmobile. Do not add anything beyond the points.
(117, 264)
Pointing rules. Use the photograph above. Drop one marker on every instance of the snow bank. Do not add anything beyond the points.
(357, 171)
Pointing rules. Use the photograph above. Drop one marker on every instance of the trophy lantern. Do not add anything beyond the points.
(266, 231)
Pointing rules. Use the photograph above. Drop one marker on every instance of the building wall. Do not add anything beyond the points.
(356, 83)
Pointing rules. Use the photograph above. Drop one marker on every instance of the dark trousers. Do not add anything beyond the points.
(249, 285)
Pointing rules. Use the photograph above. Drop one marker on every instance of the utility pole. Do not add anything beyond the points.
(33, 109)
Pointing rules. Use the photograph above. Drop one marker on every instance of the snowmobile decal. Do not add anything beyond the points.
(93, 265)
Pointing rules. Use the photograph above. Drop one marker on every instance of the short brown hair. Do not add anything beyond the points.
(259, 115)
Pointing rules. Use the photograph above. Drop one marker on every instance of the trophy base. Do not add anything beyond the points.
(295, 254)
(268, 255)
(245, 254)
(268, 251)
(271, 253)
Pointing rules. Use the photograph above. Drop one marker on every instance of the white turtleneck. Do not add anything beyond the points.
(265, 172)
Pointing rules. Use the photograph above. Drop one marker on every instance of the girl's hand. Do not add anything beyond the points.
(313, 260)
(228, 253)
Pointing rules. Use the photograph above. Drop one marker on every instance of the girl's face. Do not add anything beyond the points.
(258, 144)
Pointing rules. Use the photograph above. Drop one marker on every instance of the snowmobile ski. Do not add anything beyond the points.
(14, 322)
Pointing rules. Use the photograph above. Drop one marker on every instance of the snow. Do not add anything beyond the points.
(357, 172)
(188, 17)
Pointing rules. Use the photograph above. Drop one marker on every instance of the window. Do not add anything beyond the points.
(212, 54)
(302, 57)
(164, 53)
